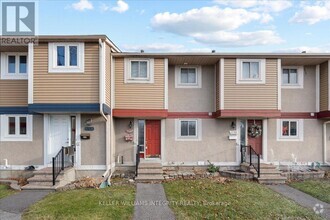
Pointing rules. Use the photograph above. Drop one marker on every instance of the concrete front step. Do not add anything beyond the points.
(272, 179)
(38, 187)
(44, 180)
(149, 178)
(150, 165)
(152, 171)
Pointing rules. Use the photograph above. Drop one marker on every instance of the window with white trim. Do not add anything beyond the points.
(290, 129)
(139, 70)
(188, 129)
(14, 66)
(250, 71)
(66, 57)
(16, 127)
(188, 77)
(292, 77)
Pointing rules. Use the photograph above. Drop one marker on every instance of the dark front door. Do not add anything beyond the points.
(255, 142)
(152, 138)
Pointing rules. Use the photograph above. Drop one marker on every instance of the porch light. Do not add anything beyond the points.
(130, 125)
(233, 125)
(88, 122)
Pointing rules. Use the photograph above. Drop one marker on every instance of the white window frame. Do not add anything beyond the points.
(300, 75)
(179, 84)
(4, 66)
(4, 130)
(150, 71)
(262, 72)
(197, 137)
(300, 130)
(52, 58)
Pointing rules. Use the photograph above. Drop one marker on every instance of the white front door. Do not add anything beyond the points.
(59, 134)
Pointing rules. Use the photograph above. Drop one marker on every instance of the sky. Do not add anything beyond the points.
(194, 25)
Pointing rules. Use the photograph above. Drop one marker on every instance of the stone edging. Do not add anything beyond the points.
(12, 183)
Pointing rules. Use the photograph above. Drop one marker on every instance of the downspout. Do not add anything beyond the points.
(101, 98)
(325, 142)
(101, 77)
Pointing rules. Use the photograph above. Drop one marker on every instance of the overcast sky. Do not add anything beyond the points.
(194, 25)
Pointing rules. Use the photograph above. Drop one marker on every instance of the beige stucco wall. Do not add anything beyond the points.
(192, 99)
(292, 98)
(308, 150)
(25, 152)
(93, 150)
(123, 148)
(214, 145)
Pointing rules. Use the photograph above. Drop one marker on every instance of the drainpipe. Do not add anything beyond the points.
(101, 98)
(325, 142)
(101, 77)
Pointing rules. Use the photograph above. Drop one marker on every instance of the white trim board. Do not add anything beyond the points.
(30, 72)
(279, 84)
(166, 83)
(317, 86)
(264, 140)
(221, 83)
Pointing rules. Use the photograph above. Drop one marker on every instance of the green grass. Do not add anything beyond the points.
(5, 190)
(208, 199)
(319, 189)
(115, 202)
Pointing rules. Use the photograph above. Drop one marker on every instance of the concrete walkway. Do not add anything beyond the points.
(151, 203)
(12, 207)
(303, 199)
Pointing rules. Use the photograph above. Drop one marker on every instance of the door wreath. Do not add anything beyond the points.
(254, 130)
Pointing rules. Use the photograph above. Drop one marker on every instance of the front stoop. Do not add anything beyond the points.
(43, 179)
(150, 172)
(268, 174)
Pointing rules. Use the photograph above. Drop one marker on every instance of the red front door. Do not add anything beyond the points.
(255, 142)
(152, 138)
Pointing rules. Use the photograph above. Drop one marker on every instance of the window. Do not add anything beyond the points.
(66, 57)
(292, 77)
(188, 129)
(188, 77)
(250, 71)
(290, 129)
(14, 66)
(139, 70)
(16, 128)
(141, 125)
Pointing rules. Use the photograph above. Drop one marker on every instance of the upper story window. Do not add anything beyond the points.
(66, 57)
(16, 127)
(250, 71)
(14, 66)
(292, 77)
(139, 70)
(188, 129)
(290, 129)
(188, 77)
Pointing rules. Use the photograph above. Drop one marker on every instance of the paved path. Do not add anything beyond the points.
(303, 199)
(151, 203)
(12, 207)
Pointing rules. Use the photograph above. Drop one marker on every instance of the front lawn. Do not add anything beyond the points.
(5, 190)
(115, 202)
(319, 189)
(209, 199)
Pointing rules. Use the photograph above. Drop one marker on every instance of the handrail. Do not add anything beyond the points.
(247, 152)
(58, 164)
(137, 159)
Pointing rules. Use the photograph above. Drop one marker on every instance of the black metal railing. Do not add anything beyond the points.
(250, 156)
(137, 159)
(58, 164)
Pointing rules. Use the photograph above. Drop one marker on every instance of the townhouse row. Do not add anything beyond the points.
(180, 109)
